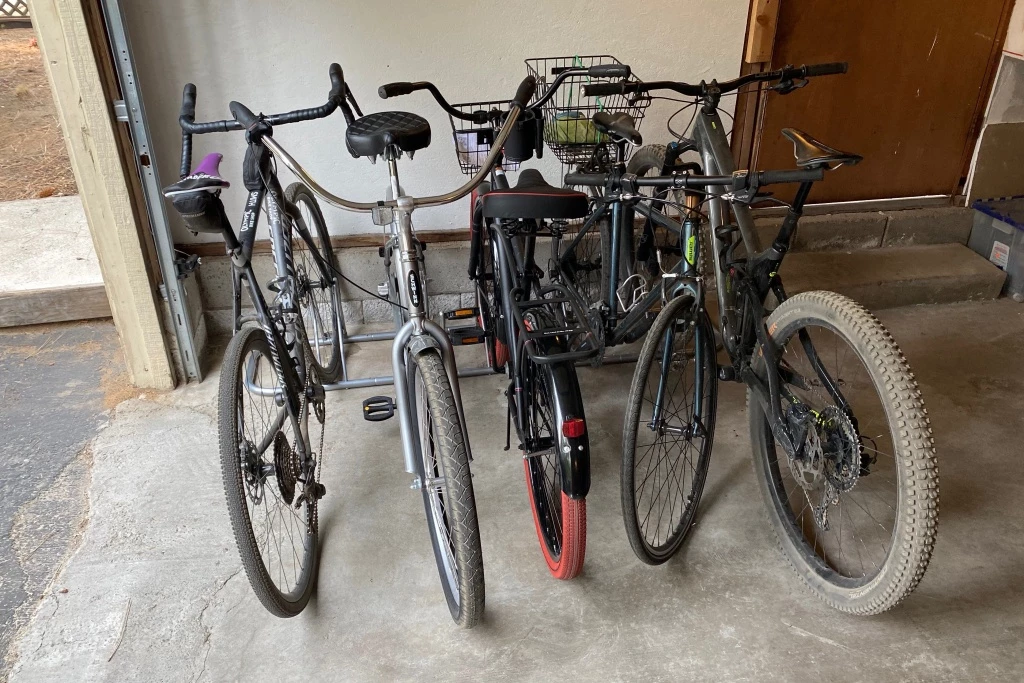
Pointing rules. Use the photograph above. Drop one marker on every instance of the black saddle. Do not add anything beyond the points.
(532, 197)
(618, 125)
(370, 135)
(811, 152)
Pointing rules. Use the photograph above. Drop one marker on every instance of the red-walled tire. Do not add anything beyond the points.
(566, 560)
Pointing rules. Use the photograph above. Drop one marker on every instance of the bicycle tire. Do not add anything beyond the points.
(324, 351)
(451, 508)
(239, 490)
(645, 541)
(560, 521)
(884, 373)
(488, 301)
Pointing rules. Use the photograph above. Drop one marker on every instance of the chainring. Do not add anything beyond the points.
(841, 447)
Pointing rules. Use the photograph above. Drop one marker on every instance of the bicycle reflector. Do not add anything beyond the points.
(573, 427)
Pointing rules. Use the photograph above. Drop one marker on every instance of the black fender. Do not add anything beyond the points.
(573, 452)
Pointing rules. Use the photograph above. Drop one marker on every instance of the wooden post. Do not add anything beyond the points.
(86, 119)
(764, 15)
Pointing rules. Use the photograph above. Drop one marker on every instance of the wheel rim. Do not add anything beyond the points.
(435, 489)
(544, 471)
(672, 442)
(282, 530)
(850, 543)
(316, 294)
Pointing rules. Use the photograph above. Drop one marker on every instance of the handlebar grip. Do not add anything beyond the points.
(603, 89)
(586, 179)
(796, 175)
(242, 114)
(825, 69)
(337, 83)
(188, 103)
(609, 71)
(396, 89)
(525, 92)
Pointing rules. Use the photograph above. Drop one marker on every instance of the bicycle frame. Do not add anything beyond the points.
(514, 276)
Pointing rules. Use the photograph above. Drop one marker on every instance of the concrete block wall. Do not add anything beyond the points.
(449, 286)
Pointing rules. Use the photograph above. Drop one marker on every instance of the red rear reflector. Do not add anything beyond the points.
(573, 427)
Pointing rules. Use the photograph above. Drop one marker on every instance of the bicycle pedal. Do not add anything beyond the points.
(378, 408)
(466, 336)
(726, 373)
(461, 325)
(462, 314)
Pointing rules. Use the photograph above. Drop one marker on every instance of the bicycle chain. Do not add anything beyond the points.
(842, 484)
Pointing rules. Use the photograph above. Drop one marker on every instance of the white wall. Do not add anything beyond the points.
(273, 55)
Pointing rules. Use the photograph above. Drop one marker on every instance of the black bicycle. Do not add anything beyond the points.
(273, 375)
(529, 325)
(842, 443)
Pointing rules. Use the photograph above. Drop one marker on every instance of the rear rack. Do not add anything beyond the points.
(580, 340)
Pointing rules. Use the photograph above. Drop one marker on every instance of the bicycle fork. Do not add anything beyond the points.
(417, 334)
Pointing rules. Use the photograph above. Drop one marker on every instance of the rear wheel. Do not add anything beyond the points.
(318, 290)
(264, 475)
(668, 431)
(561, 521)
(488, 302)
(856, 509)
(445, 480)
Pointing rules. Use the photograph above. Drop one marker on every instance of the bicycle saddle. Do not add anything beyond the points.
(618, 125)
(370, 135)
(205, 178)
(810, 152)
(532, 197)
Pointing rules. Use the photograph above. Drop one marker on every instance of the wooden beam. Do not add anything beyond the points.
(53, 305)
(764, 15)
(86, 119)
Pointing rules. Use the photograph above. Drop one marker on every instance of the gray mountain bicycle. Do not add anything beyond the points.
(842, 444)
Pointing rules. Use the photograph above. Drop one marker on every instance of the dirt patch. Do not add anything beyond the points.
(117, 386)
(33, 159)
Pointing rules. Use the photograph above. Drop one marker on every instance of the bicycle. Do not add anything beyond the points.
(524, 322)
(270, 361)
(829, 461)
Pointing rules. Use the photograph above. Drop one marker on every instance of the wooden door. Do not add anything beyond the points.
(920, 72)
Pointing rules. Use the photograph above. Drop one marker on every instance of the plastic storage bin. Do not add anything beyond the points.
(998, 235)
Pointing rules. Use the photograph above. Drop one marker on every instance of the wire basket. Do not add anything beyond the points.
(568, 130)
(473, 140)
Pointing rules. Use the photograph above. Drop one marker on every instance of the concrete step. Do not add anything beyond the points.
(889, 277)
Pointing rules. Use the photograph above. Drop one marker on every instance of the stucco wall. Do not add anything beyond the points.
(274, 56)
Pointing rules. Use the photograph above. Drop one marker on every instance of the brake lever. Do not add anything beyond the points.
(789, 85)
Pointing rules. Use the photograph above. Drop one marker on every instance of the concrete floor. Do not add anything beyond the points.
(58, 384)
(155, 592)
(46, 243)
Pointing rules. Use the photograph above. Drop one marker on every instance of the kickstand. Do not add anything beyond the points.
(508, 425)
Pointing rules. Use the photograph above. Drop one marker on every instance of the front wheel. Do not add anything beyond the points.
(856, 508)
(442, 464)
(316, 283)
(668, 432)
